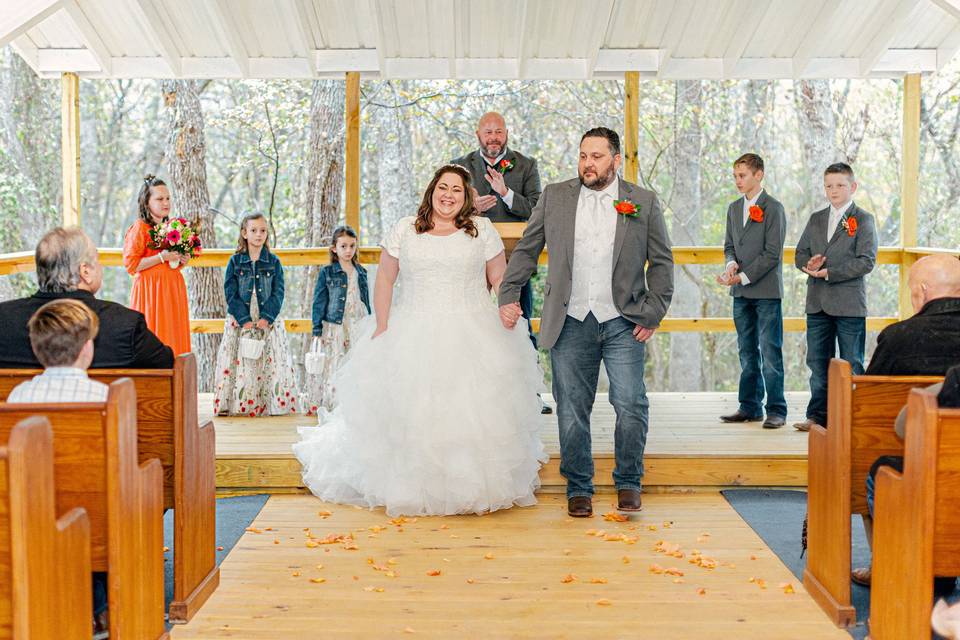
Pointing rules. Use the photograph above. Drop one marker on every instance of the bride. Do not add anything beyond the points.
(438, 412)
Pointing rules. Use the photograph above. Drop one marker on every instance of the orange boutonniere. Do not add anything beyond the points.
(850, 224)
(505, 165)
(626, 208)
(756, 213)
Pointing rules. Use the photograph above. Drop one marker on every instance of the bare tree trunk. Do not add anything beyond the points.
(185, 156)
(686, 366)
(818, 137)
(758, 95)
(397, 192)
(324, 172)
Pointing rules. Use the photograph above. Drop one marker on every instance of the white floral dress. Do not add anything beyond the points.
(252, 387)
(334, 344)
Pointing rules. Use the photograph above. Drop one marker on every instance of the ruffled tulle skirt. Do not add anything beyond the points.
(438, 415)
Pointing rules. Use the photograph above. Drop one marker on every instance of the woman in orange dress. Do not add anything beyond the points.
(159, 292)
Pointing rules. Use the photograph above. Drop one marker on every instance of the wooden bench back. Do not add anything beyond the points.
(917, 522)
(861, 412)
(97, 469)
(44, 560)
(168, 430)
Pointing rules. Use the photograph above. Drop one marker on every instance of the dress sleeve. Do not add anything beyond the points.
(391, 241)
(134, 246)
(492, 244)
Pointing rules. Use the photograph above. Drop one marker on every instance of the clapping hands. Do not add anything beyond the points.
(814, 267)
(483, 203)
(729, 277)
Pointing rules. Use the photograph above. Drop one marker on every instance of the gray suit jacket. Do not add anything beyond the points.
(641, 293)
(523, 179)
(849, 260)
(757, 248)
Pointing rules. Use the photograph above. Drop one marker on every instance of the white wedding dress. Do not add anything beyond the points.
(439, 414)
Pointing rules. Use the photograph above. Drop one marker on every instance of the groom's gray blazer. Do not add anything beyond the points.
(641, 292)
(849, 260)
(757, 248)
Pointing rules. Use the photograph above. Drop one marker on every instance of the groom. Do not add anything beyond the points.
(599, 303)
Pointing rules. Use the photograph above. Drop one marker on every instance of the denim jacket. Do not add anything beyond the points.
(330, 295)
(240, 278)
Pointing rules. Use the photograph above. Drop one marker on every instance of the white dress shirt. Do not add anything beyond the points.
(59, 384)
(595, 230)
(835, 216)
(507, 199)
(746, 216)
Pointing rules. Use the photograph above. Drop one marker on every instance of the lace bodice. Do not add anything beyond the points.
(442, 274)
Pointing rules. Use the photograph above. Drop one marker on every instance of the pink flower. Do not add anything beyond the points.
(182, 221)
(173, 237)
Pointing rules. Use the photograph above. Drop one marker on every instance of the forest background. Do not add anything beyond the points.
(233, 146)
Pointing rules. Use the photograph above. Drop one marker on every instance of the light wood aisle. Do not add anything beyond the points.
(687, 446)
(502, 576)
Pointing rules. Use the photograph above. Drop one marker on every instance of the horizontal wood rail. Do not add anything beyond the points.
(688, 325)
(22, 262)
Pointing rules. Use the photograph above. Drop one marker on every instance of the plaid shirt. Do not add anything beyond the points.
(59, 384)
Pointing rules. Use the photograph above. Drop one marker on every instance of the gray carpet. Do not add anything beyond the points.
(777, 517)
(234, 515)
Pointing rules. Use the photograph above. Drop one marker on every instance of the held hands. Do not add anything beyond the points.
(262, 324)
(495, 180)
(814, 267)
(509, 314)
(248, 325)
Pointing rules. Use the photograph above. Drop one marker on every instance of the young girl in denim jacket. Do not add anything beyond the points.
(253, 284)
(340, 299)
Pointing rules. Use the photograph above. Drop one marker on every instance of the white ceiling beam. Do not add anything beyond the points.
(743, 34)
(617, 61)
(61, 60)
(602, 12)
(487, 68)
(28, 51)
(676, 25)
(297, 27)
(894, 22)
(377, 12)
(814, 38)
(692, 69)
(227, 32)
(524, 46)
(951, 44)
(327, 61)
(89, 35)
(950, 6)
(19, 16)
(149, 15)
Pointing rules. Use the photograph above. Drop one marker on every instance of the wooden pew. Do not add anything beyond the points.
(96, 467)
(44, 560)
(169, 430)
(916, 531)
(861, 411)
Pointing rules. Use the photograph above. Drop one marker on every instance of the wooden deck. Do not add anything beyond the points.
(503, 576)
(687, 447)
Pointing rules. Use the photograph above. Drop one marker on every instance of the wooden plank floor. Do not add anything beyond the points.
(502, 576)
(687, 446)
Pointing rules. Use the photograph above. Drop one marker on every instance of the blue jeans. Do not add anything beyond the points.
(825, 333)
(759, 325)
(576, 369)
(526, 306)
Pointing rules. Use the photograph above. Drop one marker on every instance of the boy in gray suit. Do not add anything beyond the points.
(837, 250)
(756, 228)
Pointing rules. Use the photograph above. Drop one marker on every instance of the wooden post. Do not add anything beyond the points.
(352, 168)
(631, 125)
(70, 147)
(909, 184)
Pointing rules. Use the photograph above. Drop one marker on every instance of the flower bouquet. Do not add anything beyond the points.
(176, 235)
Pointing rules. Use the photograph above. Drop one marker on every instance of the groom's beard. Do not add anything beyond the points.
(493, 151)
(600, 182)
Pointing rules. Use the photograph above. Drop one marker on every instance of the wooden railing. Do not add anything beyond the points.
(23, 262)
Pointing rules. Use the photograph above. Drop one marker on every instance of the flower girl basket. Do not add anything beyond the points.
(251, 348)
(313, 362)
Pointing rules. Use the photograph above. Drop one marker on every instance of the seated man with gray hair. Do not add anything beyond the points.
(68, 266)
